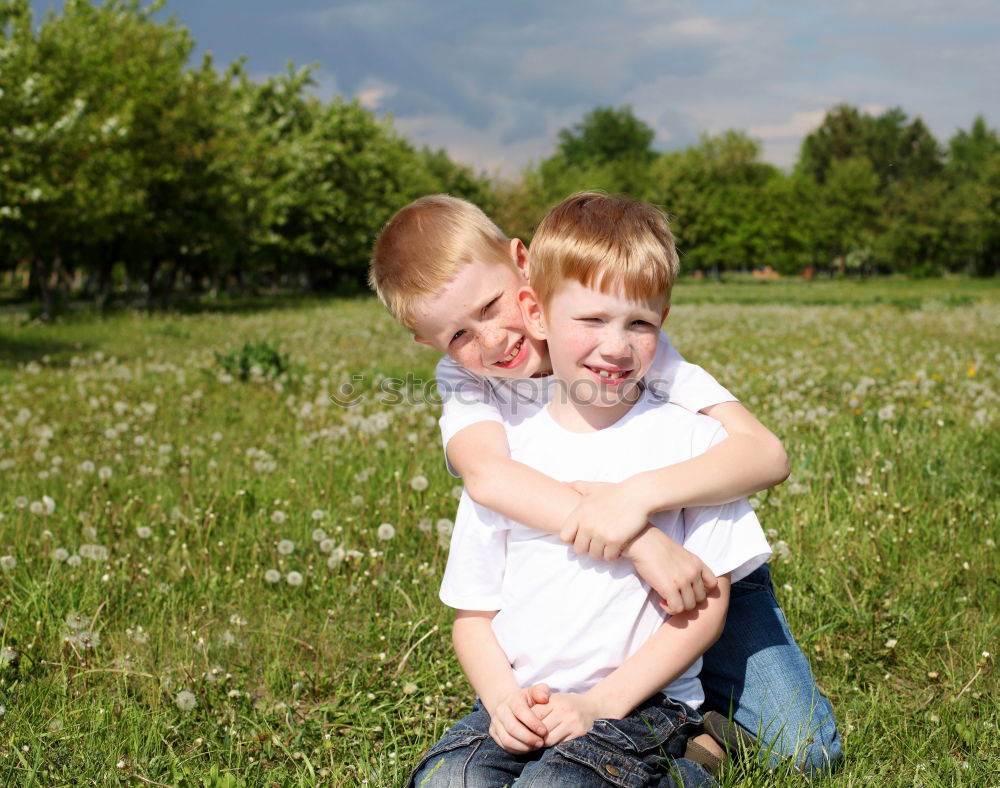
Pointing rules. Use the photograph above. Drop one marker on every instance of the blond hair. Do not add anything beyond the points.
(606, 242)
(424, 246)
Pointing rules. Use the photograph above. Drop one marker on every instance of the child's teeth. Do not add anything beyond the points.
(605, 374)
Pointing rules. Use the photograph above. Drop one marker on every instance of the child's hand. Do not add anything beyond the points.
(567, 716)
(514, 722)
(604, 521)
(680, 578)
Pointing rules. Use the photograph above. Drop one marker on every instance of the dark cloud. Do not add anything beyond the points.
(497, 81)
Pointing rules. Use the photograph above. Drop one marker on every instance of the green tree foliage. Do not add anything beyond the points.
(124, 167)
(122, 164)
(606, 135)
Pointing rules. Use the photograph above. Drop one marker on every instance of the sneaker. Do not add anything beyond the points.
(730, 735)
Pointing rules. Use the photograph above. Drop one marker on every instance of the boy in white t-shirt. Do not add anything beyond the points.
(447, 273)
(531, 612)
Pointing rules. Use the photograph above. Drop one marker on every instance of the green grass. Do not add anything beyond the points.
(890, 518)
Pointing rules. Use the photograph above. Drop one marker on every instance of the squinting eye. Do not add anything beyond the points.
(457, 334)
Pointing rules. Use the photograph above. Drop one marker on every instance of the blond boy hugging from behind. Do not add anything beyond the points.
(618, 675)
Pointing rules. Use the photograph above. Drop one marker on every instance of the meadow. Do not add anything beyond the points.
(213, 573)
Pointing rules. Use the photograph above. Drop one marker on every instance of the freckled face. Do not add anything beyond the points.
(476, 320)
(601, 344)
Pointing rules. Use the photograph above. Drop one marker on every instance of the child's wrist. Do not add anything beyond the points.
(642, 489)
(606, 705)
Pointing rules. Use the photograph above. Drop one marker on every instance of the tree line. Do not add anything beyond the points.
(126, 169)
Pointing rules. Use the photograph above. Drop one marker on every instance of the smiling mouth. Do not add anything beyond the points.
(610, 375)
(508, 361)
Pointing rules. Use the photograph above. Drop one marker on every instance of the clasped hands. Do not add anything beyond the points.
(534, 717)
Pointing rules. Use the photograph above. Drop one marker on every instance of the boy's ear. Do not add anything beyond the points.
(519, 256)
(666, 311)
(531, 313)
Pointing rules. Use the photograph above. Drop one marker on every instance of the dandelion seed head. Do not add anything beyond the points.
(144, 532)
(318, 514)
(73, 560)
(286, 547)
(891, 643)
(77, 621)
(386, 531)
(272, 575)
(8, 655)
(419, 483)
(278, 517)
(185, 700)
(318, 535)
(7, 562)
(294, 578)
(444, 527)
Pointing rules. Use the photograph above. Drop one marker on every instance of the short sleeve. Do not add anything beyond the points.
(473, 576)
(466, 399)
(672, 378)
(727, 538)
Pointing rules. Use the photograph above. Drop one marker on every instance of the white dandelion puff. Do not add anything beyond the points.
(335, 558)
(143, 531)
(185, 700)
(318, 535)
(286, 547)
(318, 514)
(73, 560)
(77, 621)
(104, 473)
(294, 578)
(444, 527)
(386, 531)
(419, 483)
(278, 517)
(7, 562)
(272, 575)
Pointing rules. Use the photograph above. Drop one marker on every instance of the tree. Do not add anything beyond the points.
(606, 135)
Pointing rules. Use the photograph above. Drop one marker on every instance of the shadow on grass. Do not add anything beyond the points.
(15, 351)
(184, 305)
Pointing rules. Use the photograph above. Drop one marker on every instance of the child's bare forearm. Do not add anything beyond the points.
(749, 460)
(479, 453)
(665, 656)
(481, 657)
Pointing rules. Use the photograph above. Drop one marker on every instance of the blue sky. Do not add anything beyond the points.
(494, 82)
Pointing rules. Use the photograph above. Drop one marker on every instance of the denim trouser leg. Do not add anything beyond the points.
(467, 757)
(641, 751)
(757, 670)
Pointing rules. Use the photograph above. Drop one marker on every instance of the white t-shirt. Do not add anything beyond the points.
(467, 398)
(570, 620)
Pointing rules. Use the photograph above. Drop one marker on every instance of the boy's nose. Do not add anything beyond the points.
(492, 344)
(614, 345)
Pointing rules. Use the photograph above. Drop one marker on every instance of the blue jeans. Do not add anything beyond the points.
(641, 751)
(758, 672)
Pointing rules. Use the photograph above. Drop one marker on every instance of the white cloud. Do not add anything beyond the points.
(373, 92)
(800, 124)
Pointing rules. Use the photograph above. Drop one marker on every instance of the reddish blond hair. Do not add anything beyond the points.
(605, 242)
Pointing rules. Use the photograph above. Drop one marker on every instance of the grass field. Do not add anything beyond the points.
(148, 497)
